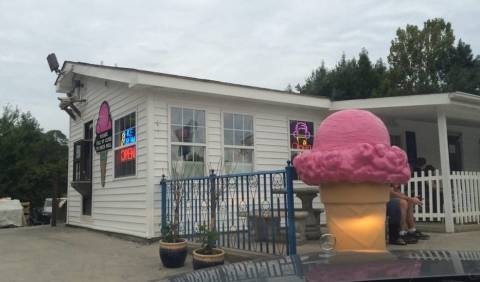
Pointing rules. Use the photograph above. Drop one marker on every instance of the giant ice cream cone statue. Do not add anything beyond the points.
(353, 163)
(104, 138)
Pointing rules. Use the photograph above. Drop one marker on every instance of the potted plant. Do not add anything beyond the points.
(173, 249)
(209, 255)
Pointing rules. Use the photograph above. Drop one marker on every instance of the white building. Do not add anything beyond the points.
(159, 118)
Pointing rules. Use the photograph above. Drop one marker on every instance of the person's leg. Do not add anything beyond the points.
(404, 207)
(412, 229)
(394, 217)
(410, 219)
(403, 214)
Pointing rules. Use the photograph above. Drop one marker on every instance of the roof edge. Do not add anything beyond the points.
(177, 76)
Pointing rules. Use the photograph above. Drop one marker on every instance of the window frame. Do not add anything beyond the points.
(226, 146)
(192, 144)
(292, 150)
(115, 148)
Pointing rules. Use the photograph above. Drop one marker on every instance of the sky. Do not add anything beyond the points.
(254, 42)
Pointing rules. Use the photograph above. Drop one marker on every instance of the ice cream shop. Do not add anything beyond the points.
(130, 129)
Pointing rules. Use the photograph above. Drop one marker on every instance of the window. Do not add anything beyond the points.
(396, 140)
(238, 140)
(187, 136)
(301, 138)
(125, 146)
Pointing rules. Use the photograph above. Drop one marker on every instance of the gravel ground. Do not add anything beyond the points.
(73, 254)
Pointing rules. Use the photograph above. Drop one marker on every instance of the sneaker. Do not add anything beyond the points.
(409, 239)
(398, 241)
(419, 235)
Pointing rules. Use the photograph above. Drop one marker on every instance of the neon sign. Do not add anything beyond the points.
(128, 154)
(128, 137)
(301, 135)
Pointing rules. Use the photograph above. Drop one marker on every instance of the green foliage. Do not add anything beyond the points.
(350, 79)
(31, 159)
(420, 58)
(464, 70)
(208, 238)
(170, 233)
(421, 61)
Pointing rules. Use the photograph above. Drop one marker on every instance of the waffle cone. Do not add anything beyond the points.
(356, 215)
(103, 167)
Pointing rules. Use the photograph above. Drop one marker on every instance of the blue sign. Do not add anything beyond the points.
(128, 136)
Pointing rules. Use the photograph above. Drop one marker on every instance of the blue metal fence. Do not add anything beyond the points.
(254, 211)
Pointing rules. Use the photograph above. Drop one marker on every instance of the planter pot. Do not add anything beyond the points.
(202, 261)
(173, 255)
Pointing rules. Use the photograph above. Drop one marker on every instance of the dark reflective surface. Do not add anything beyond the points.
(397, 265)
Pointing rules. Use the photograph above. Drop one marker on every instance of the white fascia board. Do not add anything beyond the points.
(393, 102)
(104, 73)
(234, 91)
(466, 98)
(134, 78)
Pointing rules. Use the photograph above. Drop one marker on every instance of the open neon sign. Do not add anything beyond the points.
(128, 137)
(128, 154)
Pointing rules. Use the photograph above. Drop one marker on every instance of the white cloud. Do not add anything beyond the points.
(264, 43)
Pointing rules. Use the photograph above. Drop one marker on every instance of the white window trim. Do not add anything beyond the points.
(125, 113)
(170, 142)
(222, 133)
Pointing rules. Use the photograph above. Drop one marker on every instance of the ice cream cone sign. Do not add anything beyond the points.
(103, 139)
(353, 163)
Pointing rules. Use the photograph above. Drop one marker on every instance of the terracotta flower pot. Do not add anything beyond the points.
(173, 255)
(208, 260)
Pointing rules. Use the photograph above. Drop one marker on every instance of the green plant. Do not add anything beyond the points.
(169, 234)
(207, 238)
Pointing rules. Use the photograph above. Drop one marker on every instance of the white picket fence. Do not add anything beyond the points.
(465, 196)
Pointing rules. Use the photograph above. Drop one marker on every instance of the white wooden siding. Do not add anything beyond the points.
(131, 205)
(271, 137)
(120, 205)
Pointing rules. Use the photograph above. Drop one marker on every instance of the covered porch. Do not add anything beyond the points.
(441, 135)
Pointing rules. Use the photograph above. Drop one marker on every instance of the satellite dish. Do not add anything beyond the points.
(53, 63)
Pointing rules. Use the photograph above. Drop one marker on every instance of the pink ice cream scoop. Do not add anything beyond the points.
(104, 121)
(352, 146)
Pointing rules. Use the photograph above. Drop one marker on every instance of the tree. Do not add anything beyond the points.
(31, 159)
(421, 61)
(289, 88)
(349, 79)
(464, 70)
(317, 83)
(419, 58)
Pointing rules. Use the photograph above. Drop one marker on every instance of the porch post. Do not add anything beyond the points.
(445, 169)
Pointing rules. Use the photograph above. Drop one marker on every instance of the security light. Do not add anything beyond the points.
(53, 63)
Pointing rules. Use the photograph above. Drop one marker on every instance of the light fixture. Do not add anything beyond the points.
(53, 63)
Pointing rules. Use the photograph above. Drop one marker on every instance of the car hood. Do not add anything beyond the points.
(345, 266)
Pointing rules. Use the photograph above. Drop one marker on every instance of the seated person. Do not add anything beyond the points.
(401, 224)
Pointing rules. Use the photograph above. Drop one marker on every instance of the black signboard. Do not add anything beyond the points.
(103, 141)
